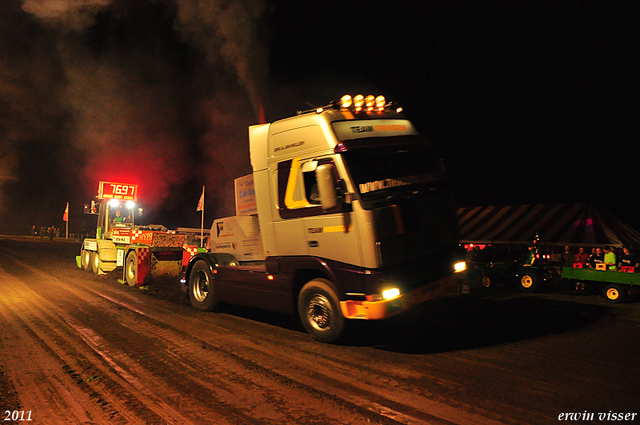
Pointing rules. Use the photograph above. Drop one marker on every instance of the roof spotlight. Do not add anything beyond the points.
(370, 102)
(346, 101)
(358, 102)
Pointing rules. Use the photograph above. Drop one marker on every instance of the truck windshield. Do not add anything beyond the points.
(387, 171)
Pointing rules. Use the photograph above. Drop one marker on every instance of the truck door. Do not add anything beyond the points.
(330, 235)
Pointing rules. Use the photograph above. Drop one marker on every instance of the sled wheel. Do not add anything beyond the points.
(319, 310)
(85, 260)
(95, 262)
(131, 269)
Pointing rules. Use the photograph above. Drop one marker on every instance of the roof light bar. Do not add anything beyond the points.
(358, 104)
(369, 103)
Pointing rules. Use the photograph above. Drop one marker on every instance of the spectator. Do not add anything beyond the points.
(581, 257)
(628, 259)
(609, 258)
(596, 258)
(567, 257)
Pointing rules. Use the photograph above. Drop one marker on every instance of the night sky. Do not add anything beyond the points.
(529, 102)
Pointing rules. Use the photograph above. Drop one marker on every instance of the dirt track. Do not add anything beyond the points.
(78, 348)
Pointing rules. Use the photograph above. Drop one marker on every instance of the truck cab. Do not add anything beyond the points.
(353, 218)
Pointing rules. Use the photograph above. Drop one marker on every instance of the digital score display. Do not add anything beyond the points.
(124, 191)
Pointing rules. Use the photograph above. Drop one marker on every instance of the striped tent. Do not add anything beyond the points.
(558, 224)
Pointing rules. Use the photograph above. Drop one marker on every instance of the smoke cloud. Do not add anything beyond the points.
(159, 93)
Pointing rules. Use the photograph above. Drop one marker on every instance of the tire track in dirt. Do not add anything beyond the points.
(238, 378)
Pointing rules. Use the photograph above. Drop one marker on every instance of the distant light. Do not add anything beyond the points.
(270, 277)
(399, 109)
(319, 110)
(380, 103)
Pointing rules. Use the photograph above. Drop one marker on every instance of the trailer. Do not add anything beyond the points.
(346, 216)
(614, 285)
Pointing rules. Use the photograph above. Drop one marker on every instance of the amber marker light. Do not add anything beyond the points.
(388, 294)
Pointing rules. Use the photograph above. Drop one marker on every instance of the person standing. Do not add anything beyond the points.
(596, 257)
(628, 259)
(609, 258)
(567, 257)
(581, 256)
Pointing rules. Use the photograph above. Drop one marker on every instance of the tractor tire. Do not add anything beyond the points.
(202, 288)
(319, 310)
(486, 281)
(529, 281)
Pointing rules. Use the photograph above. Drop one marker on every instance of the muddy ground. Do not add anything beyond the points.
(79, 348)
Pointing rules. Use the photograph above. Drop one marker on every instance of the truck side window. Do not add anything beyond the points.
(297, 189)
(311, 187)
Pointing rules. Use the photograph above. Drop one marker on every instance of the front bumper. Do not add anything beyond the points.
(375, 310)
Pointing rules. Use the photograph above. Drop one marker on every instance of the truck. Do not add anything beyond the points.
(345, 216)
(143, 251)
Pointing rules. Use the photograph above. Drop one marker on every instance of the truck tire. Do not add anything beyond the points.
(319, 310)
(85, 260)
(95, 262)
(529, 281)
(131, 269)
(614, 293)
(201, 287)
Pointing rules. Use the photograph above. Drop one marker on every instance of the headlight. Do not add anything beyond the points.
(390, 293)
(460, 266)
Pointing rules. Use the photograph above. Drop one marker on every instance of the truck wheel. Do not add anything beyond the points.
(85, 260)
(201, 287)
(95, 262)
(614, 293)
(319, 310)
(529, 282)
(131, 269)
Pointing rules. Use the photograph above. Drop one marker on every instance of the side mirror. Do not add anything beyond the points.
(327, 187)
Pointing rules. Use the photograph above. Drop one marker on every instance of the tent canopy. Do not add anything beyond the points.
(557, 224)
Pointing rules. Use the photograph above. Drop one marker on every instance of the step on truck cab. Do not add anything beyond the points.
(346, 216)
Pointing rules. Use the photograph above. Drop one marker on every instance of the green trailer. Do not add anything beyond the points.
(615, 285)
